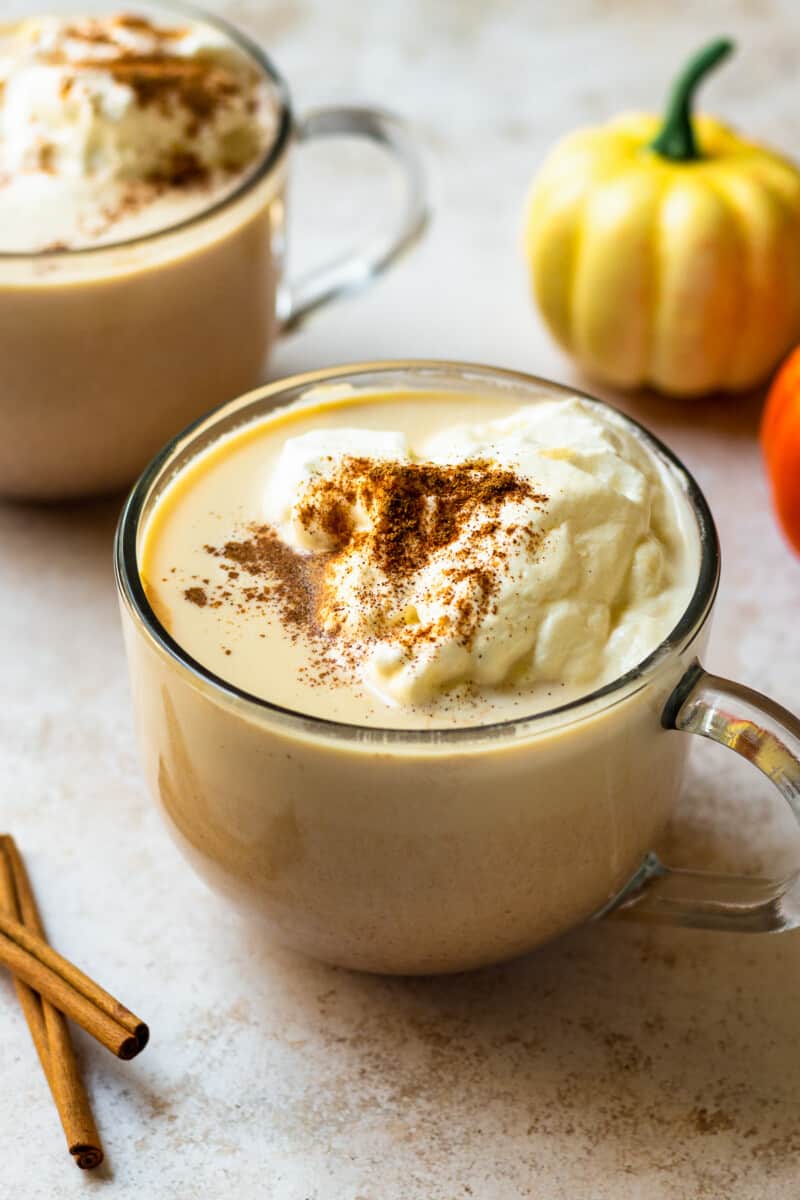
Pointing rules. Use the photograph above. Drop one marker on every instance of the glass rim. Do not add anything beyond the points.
(271, 156)
(131, 589)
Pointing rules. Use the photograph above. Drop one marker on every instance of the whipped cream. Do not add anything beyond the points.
(99, 115)
(532, 549)
(315, 456)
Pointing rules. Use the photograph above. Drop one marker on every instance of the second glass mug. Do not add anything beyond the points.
(108, 351)
(412, 852)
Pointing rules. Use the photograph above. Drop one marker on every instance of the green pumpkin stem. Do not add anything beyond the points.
(676, 140)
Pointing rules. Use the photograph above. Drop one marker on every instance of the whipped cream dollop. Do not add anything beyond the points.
(531, 549)
(115, 101)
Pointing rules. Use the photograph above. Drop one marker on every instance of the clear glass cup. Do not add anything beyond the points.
(439, 850)
(108, 351)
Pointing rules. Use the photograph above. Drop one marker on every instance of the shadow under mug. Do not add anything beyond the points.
(411, 852)
(110, 350)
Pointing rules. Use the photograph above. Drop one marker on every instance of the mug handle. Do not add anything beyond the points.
(300, 298)
(768, 736)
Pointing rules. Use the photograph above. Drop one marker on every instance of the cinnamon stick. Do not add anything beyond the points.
(47, 1025)
(31, 959)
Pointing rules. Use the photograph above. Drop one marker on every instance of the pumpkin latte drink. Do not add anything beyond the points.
(410, 644)
(114, 129)
(388, 642)
(143, 166)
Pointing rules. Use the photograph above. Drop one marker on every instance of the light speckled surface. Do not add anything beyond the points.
(618, 1063)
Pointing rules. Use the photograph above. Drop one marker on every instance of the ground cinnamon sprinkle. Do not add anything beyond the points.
(196, 595)
(417, 508)
(414, 511)
(290, 580)
(160, 77)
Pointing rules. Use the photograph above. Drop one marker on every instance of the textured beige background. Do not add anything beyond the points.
(618, 1064)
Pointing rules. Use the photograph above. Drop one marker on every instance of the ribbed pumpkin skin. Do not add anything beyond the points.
(682, 276)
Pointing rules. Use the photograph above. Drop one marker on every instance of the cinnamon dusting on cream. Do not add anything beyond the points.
(103, 118)
(160, 76)
(415, 510)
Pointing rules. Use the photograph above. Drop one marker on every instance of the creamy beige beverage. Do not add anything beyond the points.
(400, 639)
(138, 266)
(143, 165)
(423, 560)
(409, 658)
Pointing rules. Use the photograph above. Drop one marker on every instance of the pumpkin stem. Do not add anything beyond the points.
(676, 140)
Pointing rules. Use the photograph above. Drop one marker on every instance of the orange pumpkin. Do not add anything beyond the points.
(780, 439)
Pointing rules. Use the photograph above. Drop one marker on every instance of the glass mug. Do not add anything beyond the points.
(108, 351)
(431, 851)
